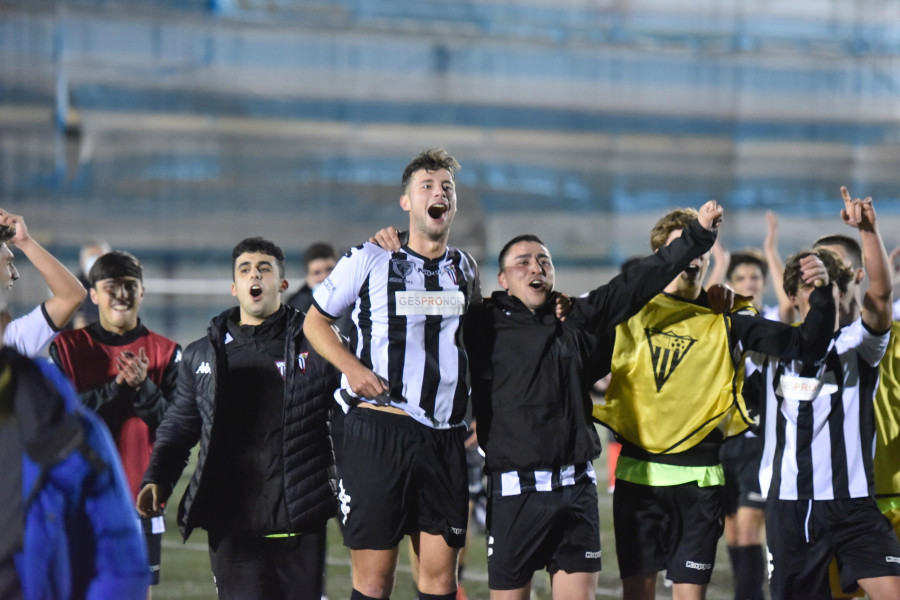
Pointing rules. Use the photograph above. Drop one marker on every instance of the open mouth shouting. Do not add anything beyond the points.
(537, 284)
(255, 291)
(438, 210)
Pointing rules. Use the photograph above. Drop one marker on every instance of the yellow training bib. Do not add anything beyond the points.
(673, 378)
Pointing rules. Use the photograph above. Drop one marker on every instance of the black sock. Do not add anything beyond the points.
(450, 596)
(748, 569)
(357, 595)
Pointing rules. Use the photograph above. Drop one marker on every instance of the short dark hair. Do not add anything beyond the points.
(525, 237)
(6, 233)
(115, 264)
(317, 251)
(430, 160)
(679, 218)
(263, 246)
(747, 257)
(838, 272)
(846, 242)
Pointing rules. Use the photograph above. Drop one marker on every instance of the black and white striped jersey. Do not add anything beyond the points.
(409, 313)
(818, 420)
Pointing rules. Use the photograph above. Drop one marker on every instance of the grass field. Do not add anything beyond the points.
(186, 574)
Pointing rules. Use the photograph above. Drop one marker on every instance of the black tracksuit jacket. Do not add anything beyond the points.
(531, 373)
(308, 459)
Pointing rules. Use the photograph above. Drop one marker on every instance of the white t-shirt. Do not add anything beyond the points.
(31, 333)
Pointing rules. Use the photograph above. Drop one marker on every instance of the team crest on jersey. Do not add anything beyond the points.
(301, 363)
(667, 350)
(403, 268)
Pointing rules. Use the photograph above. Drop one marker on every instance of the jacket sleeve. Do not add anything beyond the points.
(478, 334)
(109, 396)
(120, 554)
(181, 425)
(151, 400)
(626, 293)
(809, 342)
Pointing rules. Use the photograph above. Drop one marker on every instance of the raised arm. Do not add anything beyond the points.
(720, 258)
(625, 294)
(895, 266)
(67, 292)
(877, 310)
(811, 340)
(786, 312)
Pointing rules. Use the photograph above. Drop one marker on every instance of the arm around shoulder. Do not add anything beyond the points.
(818, 327)
(809, 342)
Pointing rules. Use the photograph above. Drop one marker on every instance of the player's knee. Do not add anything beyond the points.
(437, 579)
(374, 582)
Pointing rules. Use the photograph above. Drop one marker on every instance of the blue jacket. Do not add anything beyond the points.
(82, 534)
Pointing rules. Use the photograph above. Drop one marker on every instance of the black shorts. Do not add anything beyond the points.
(558, 530)
(401, 477)
(475, 468)
(804, 535)
(740, 461)
(673, 527)
(154, 545)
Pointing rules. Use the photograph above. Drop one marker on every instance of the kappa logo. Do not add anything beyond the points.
(344, 499)
(667, 350)
(203, 369)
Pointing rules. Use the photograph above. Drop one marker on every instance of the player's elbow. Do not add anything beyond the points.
(74, 296)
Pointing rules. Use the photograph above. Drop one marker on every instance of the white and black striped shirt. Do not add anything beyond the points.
(409, 312)
(818, 421)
